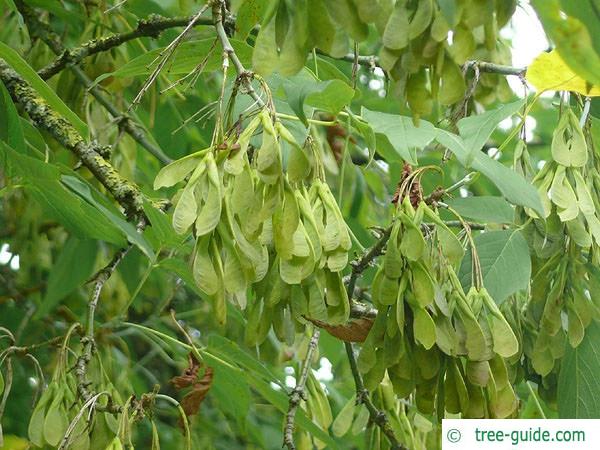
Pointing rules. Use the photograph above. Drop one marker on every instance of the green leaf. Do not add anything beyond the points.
(345, 14)
(42, 181)
(330, 96)
(177, 170)
(294, 48)
(512, 185)
(578, 382)
(484, 209)
(230, 351)
(573, 39)
(448, 8)
(185, 59)
(182, 269)
(53, 100)
(395, 35)
(476, 130)
(248, 15)
(84, 190)
(230, 388)
(265, 57)
(10, 123)
(505, 263)
(71, 269)
(11, 5)
(342, 423)
(400, 134)
(161, 224)
(588, 12)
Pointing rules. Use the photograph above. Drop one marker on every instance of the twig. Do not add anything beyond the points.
(166, 54)
(298, 393)
(87, 341)
(361, 310)
(372, 61)
(115, 6)
(459, 224)
(184, 419)
(500, 69)
(586, 111)
(7, 388)
(360, 264)
(362, 396)
(26, 350)
(244, 75)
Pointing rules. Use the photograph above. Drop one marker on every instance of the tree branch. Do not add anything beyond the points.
(372, 61)
(245, 76)
(125, 192)
(298, 393)
(52, 40)
(362, 396)
(152, 27)
(497, 68)
(88, 343)
(360, 265)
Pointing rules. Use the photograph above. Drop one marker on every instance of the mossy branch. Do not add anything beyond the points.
(126, 193)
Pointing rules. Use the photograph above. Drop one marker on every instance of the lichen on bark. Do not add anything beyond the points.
(90, 153)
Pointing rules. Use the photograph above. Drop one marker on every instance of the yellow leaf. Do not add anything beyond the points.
(548, 72)
(14, 443)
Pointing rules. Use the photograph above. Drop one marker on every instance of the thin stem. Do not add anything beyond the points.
(88, 343)
(360, 264)
(362, 396)
(499, 69)
(188, 338)
(299, 393)
(586, 111)
(7, 386)
(166, 54)
(90, 403)
(243, 75)
(536, 400)
(325, 123)
(184, 419)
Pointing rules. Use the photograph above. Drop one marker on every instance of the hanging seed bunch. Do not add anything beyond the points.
(433, 340)
(255, 223)
(569, 191)
(416, 51)
(56, 421)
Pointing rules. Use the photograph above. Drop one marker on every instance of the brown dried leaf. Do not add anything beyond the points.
(200, 386)
(356, 330)
(415, 192)
(189, 376)
(192, 400)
